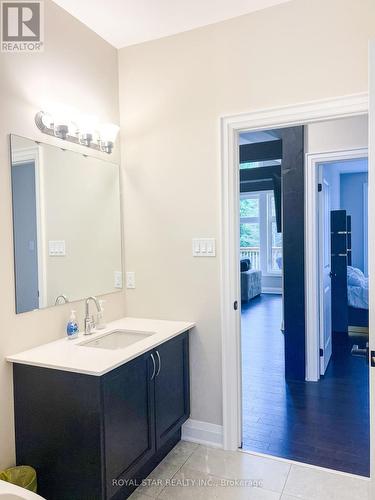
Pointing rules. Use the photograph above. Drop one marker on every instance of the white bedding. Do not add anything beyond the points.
(357, 288)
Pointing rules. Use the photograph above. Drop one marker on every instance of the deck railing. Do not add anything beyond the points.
(253, 253)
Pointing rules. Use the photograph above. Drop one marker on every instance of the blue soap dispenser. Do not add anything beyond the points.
(72, 328)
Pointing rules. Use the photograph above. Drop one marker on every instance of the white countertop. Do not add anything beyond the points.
(67, 355)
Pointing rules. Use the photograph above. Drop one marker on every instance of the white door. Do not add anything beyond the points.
(371, 255)
(325, 319)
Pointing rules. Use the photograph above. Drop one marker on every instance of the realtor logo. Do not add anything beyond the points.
(22, 26)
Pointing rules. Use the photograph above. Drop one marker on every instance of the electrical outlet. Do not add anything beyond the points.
(130, 279)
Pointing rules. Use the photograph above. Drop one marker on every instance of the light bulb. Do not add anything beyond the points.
(63, 119)
(87, 128)
(87, 124)
(108, 132)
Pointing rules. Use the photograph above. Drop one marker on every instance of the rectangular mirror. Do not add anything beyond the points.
(66, 225)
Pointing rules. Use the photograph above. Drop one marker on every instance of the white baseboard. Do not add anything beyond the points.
(268, 289)
(204, 433)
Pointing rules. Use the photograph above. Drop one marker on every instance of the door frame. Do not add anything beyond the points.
(230, 127)
(312, 237)
(324, 214)
(33, 154)
(365, 218)
(371, 253)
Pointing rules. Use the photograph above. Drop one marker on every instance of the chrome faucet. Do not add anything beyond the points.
(64, 299)
(89, 320)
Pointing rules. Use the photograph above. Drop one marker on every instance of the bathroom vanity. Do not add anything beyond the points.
(96, 414)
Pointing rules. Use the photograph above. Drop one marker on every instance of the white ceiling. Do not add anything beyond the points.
(127, 22)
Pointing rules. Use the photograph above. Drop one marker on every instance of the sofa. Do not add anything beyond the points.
(251, 281)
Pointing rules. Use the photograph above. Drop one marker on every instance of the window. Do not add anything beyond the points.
(249, 207)
(259, 239)
(250, 229)
(250, 236)
(275, 242)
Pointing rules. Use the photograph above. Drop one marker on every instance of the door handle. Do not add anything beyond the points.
(159, 362)
(372, 359)
(331, 274)
(154, 367)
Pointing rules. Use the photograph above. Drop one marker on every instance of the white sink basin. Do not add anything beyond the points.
(10, 491)
(117, 339)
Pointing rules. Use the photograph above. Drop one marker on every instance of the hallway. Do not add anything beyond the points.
(323, 423)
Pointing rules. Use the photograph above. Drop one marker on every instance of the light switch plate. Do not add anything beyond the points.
(130, 279)
(56, 248)
(204, 247)
(118, 279)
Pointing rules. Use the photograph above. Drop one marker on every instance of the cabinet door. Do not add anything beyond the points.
(129, 416)
(172, 399)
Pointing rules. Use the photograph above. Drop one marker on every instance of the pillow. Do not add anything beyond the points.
(245, 265)
(355, 276)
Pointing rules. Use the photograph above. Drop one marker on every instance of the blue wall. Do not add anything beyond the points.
(351, 200)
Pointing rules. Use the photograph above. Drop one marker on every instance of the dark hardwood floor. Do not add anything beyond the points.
(324, 423)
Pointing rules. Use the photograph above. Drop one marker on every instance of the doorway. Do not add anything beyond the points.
(283, 414)
(342, 242)
(271, 165)
(25, 230)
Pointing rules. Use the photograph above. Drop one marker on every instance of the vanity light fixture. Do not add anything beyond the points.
(84, 130)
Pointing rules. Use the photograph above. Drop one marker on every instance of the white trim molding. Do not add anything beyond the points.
(371, 253)
(231, 126)
(203, 433)
(365, 223)
(312, 236)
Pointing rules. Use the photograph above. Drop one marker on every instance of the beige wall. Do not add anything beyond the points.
(172, 93)
(77, 68)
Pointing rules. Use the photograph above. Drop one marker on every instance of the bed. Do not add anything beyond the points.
(349, 284)
(357, 299)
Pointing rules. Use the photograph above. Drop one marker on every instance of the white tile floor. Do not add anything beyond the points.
(195, 472)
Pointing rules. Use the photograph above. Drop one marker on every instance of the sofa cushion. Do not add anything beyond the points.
(245, 265)
(251, 284)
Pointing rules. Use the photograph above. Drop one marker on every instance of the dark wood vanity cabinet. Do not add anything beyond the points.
(129, 421)
(96, 438)
(172, 402)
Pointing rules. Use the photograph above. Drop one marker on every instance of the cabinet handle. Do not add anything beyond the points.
(159, 361)
(154, 367)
